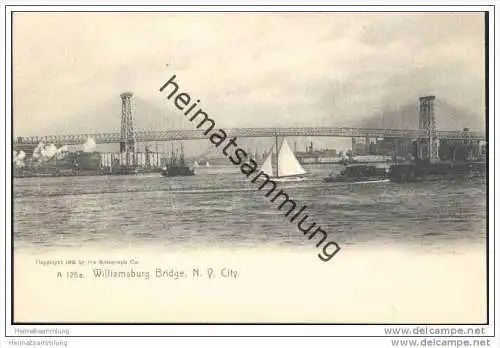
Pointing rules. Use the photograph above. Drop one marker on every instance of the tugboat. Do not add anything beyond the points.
(359, 172)
(177, 167)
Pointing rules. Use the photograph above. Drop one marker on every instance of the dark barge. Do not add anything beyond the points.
(420, 170)
(358, 172)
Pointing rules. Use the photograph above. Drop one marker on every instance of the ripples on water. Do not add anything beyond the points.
(220, 207)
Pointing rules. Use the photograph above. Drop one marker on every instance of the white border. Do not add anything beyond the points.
(236, 330)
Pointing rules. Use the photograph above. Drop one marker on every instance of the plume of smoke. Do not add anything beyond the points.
(63, 148)
(19, 158)
(37, 152)
(89, 145)
(45, 153)
(62, 151)
(48, 152)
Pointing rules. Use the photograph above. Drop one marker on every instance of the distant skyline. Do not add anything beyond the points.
(248, 69)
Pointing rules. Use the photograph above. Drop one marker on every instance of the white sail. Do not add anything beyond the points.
(267, 166)
(288, 165)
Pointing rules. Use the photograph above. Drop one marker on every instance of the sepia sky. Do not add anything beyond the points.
(248, 69)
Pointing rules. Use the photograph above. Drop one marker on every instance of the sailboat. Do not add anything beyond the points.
(283, 165)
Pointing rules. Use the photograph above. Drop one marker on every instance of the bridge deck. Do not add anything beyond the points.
(147, 136)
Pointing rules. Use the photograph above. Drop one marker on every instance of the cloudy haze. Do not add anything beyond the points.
(248, 69)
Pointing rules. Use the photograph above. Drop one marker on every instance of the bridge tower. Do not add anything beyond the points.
(427, 121)
(127, 141)
(148, 157)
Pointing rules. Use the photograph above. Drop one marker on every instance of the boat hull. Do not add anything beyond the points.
(290, 178)
(420, 171)
(177, 171)
(357, 179)
(359, 173)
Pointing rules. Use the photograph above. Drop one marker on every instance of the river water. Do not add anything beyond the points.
(221, 207)
(410, 253)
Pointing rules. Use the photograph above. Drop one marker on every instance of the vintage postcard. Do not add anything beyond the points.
(183, 167)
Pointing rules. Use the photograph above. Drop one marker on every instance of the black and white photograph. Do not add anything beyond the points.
(249, 167)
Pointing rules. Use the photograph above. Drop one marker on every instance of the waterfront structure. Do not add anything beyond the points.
(396, 141)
